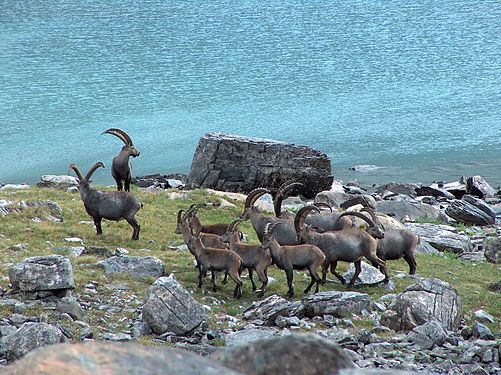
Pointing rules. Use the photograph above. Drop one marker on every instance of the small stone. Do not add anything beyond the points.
(484, 317)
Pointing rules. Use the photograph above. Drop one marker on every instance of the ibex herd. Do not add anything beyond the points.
(293, 242)
(310, 239)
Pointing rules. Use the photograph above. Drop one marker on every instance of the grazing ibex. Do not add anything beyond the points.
(397, 243)
(347, 245)
(111, 205)
(212, 259)
(255, 258)
(293, 257)
(121, 169)
(285, 234)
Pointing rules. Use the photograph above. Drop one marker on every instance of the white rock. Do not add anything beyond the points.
(73, 239)
(15, 187)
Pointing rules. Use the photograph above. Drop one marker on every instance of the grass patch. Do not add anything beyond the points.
(158, 221)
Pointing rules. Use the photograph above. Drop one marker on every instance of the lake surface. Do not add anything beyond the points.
(411, 87)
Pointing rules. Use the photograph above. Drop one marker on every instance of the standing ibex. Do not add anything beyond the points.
(111, 205)
(254, 257)
(121, 169)
(397, 243)
(347, 245)
(293, 257)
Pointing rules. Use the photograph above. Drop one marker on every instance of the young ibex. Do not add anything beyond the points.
(111, 205)
(285, 234)
(293, 257)
(254, 257)
(121, 169)
(212, 259)
(397, 243)
(347, 245)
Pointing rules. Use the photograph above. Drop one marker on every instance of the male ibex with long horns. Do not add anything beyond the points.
(111, 205)
(121, 169)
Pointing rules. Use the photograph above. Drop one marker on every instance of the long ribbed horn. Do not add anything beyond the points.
(282, 194)
(301, 215)
(77, 171)
(254, 195)
(374, 217)
(179, 213)
(234, 224)
(269, 227)
(120, 134)
(323, 204)
(360, 215)
(93, 169)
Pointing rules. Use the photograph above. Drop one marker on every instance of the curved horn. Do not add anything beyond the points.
(120, 134)
(282, 193)
(77, 171)
(254, 195)
(270, 227)
(234, 224)
(301, 215)
(373, 216)
(323, 204)
(93, 169)
(179, 219)
(358, 214)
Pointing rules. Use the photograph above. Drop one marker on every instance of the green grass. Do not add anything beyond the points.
(158, 222)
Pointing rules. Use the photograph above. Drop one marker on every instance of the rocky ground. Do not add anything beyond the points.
(420, 330)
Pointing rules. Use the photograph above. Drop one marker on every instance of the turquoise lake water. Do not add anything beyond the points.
(413, 87)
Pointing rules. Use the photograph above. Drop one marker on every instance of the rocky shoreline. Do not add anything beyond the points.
(426, 337)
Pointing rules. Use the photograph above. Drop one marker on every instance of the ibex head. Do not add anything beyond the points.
(129, 147)
(301, 228)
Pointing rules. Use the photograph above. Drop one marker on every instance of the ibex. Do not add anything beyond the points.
(254, 257)
(285, 234)
(111, 205)
(217, 229)
(121, 169)
(397, 243)
(212, 259)
(293, 257)
(347, 245)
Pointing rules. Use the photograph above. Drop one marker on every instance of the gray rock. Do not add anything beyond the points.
(246, 336)
(421, 302)
(27, 338)
(476, 185)
(42, 273)
(379, 371)
(428, 335)
(481, 331)
(480, 204)
(338, 304)
(286, 355)
(467, 213)
(484, 317)
(113, 358)
(434, 191)
(369, 275)
(60, 182)
(136, 266)
(397, 188)
(170, 308)
(410, 210)
(238, 164)
(424, 247)
(332, 198)
(492, 249)
(70, 306)
(270, 308)
(284, 322)
(442, 237)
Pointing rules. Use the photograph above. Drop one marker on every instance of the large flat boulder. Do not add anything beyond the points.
(42, 273)
(114, 359)
(240, 164)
